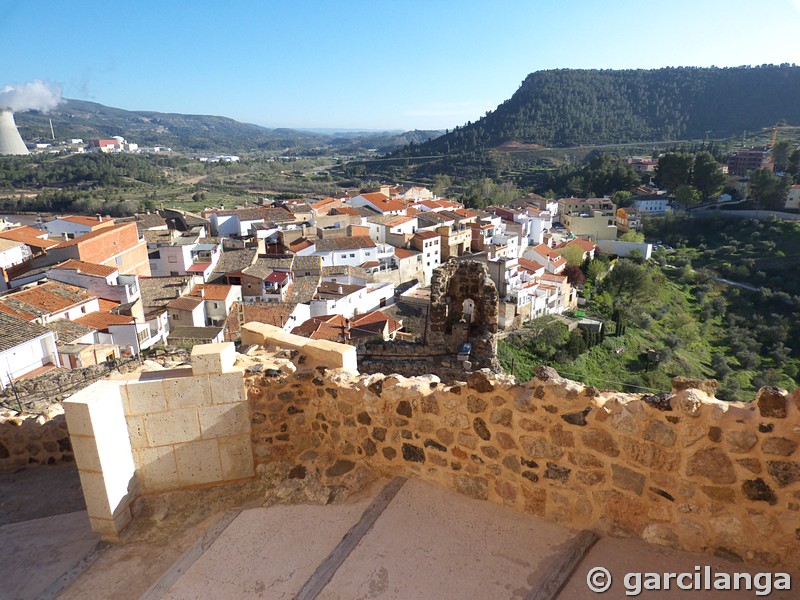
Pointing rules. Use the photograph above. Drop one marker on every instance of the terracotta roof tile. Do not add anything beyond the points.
(86, 268)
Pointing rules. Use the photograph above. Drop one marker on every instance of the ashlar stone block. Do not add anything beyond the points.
(146, 397)
(227, 387)
(236, 457)
(213, 358)
(198, 462)
(158, 468)
(175, 427)
(187, 392)
(224, 420)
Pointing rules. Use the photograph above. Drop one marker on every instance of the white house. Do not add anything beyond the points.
(429, 244)
(72, 226)
(13, 253)
(49, 302)
(651, 205)
(348, 300)
(218, 299)
(172, 255)
(352, 251)
(793, 197)
(240, 221)
(380, 202)
(24, 347)
(100, 280)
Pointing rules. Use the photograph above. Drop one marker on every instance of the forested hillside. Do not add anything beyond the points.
(567, 107)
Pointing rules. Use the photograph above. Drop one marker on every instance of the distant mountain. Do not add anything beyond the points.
(575, 107)
(197, 133)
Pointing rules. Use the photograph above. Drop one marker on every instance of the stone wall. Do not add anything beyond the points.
(33, 439)
(684, 470)
(161, 431)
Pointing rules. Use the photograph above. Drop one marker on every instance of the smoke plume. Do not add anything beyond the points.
(36, 95)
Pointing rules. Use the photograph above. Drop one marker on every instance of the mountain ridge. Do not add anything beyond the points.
(573, 107)
(196, 133)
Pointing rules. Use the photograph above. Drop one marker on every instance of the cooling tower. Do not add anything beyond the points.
(10, 139)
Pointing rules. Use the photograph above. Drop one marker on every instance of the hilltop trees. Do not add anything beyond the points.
(690, 178)
(768, 190)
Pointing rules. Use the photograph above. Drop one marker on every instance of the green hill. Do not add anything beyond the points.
(198, 133)
(564, 107)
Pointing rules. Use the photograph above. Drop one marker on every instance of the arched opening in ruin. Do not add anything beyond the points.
(468, 310)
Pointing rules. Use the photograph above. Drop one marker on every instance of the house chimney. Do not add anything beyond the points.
(202, 292)
(99, 218)
(339, 290)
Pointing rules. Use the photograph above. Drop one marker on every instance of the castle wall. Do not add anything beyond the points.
(682, 470)
(688, 471)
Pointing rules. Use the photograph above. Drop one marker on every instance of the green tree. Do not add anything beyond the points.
(687, 195)
(707, 176)
(573, 254)
(441, 183)
(632, 236)
(794, 162)
(780, 154)
(622, 198)
(768, 190)
(674, 169)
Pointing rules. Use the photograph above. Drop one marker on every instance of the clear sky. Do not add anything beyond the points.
(373, 64)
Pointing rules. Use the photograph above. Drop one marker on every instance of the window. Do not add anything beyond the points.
(173, 273)
(176, 316)
(173, 259)
(216, 304)
(352, 256)
(83, 309)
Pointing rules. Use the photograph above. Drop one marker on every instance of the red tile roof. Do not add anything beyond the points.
(198, 267)
(30, 236)
(529, 265)
(185, 303)
(96, 233)
(86, 268)
(404, 253)
(102, 320)
(211, 291)
(93, 222)
(42, 300)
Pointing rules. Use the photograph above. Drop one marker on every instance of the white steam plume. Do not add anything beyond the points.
(36, 95)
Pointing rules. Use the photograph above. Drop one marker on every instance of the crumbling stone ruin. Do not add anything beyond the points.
(464, 302)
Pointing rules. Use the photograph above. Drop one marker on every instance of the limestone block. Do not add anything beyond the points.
(146, 397)
(187, 392)
(86, 448)
(174, 427)
(137, 432)
(158, 468)
(236, 457)
(270, 336)
(198, 462)
(213, 358)
(323, 353)
(223, 420)
(227, 387)
(104, 456)
(109, 528)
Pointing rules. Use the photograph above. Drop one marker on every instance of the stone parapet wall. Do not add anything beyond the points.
(686, 471)
(33, 439)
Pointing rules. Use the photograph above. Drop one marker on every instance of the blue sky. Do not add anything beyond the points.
(374, 64)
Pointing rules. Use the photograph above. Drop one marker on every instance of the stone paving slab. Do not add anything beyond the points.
(39, 492)
(622, 556)
(36, 553)
(268, 552)
(431, 542)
